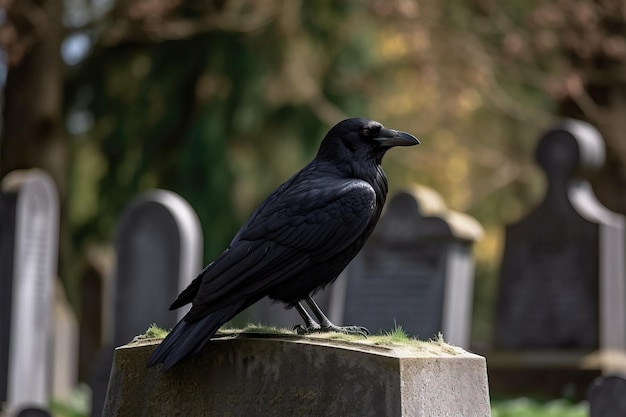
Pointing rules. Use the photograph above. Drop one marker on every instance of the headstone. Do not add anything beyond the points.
(31, 205)
(286, 375)
(268, 313)
(34, 412)
(95, 307)
(7, 242)
(65, 360)
(563, 273)
(607, 397)
(415, 271)
(158, 250)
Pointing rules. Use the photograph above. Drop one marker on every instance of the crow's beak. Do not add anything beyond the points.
(390, 137)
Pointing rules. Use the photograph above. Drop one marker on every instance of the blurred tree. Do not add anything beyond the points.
(202, 97)
(32, 134)
(576, 51)
(32, 122)
(222, 100)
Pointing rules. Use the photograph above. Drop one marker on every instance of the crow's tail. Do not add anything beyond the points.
(187, 338)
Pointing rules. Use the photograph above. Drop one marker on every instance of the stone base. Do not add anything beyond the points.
(276, 375)
(550, 374)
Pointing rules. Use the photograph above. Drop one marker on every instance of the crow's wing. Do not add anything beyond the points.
(305, 223)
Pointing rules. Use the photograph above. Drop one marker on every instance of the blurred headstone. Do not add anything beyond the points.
(562, 279)
(34, 412)
(607, 397)
(7, 242)
(30, 200)
(269, 313)
(95, 307)
(65, 335)
(158, 252)
(416, 271)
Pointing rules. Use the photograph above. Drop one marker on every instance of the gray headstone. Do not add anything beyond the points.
(607, 397)
(416, 271)
(158, 249)
(65, 359)
(563, 273)
(32, 271)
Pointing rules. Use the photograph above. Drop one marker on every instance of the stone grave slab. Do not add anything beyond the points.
(562, 276)
(158, 249)
(607, 396)
(32, 271)
(415, 271)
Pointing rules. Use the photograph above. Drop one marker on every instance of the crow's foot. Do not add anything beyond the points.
(332, 328)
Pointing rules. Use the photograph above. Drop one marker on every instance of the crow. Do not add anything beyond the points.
(296, 242)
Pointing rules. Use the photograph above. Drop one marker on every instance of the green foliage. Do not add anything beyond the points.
(78, 405)
(205, 116)
(397, 335)
(526, 407)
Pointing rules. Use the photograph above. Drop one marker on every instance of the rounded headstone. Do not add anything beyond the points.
(607, 397)
(573, 148)
(33, 412)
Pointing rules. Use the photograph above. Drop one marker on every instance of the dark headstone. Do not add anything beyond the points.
(269, 313)
(607, 397)
(95, 306)
(34, 412)
(415, 271)
(158, 250)
(31, 205)
(564, 257)
(7, 242)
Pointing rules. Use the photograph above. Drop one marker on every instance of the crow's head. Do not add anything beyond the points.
(361, 140)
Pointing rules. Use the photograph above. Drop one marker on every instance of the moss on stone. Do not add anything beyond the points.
(394, 338)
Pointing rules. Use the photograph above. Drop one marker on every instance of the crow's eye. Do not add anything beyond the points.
(365, 132)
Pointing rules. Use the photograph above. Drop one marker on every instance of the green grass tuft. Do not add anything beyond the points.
(153, 332)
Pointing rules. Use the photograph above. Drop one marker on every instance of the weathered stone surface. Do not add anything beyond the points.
(269, 375)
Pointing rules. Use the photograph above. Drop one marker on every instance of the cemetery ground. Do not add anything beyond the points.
(559, 309)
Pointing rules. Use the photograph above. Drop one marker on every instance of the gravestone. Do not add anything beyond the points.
(607, 397)
(418, 259)
(415, 271)
(7, 242)
(268, 313)
(95, 306)
(286, 375)
(562, 278)
(29, 268)
(158, 249)
(34, 412)
(65, 359)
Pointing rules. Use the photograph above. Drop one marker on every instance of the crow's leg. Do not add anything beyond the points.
(310, 324)
(326, 326)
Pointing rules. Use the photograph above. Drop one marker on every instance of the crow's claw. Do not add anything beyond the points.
(332, 328)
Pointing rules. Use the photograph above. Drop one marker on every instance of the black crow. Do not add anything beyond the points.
(296, 242)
